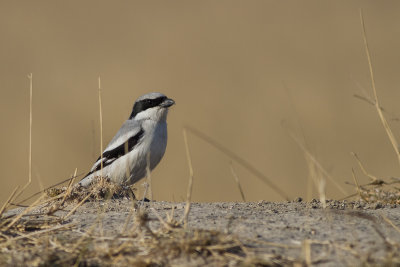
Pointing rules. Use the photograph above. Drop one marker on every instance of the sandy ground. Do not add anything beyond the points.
(290, 233)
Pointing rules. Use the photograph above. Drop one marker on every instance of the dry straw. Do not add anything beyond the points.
(312, 159)
(239, 160)
(235, 176)
(377, 106)
(101, 132)
(30, 77)
(190, 185)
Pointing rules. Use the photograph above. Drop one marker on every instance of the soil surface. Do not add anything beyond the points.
(290, 233)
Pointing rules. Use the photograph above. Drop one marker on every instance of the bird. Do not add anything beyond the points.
(141, 141)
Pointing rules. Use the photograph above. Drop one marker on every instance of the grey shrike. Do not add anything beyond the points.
(145, 132)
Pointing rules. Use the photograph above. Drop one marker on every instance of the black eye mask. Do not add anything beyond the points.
(144, 104)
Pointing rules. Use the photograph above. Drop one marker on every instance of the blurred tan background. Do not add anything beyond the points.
(237, 70)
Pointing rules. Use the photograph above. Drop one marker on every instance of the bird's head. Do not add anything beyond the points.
(152, 106)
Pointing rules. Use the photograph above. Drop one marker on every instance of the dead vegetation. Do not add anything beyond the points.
(43, 234)
(149, 236)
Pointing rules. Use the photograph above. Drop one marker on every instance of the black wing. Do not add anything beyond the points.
(109, 156)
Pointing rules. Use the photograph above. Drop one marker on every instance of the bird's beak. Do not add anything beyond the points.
(167, 103)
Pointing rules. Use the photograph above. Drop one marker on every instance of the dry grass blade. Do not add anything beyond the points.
(84, 236)
(30, 128)
(57, 206)
(366, 99)
(101, 133)
(77, 206)
(7, 203)
(47, 200)
(148, 176)
(356, 183)
(164, 223)
(386, 219)
(124, 229)
(190, 185)
(279, 245)
(58, 227)
(239, 160)
(69, 187)
(237, 182)
(369, 101)
(30, 77)
(377, 106)
(373, 178)
(362, 167)
(317, 177)
(296, 115)
(44, 190)
(317, 164)
(27, 210)
(126, 149)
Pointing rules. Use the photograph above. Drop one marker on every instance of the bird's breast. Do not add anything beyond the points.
(157, 141)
